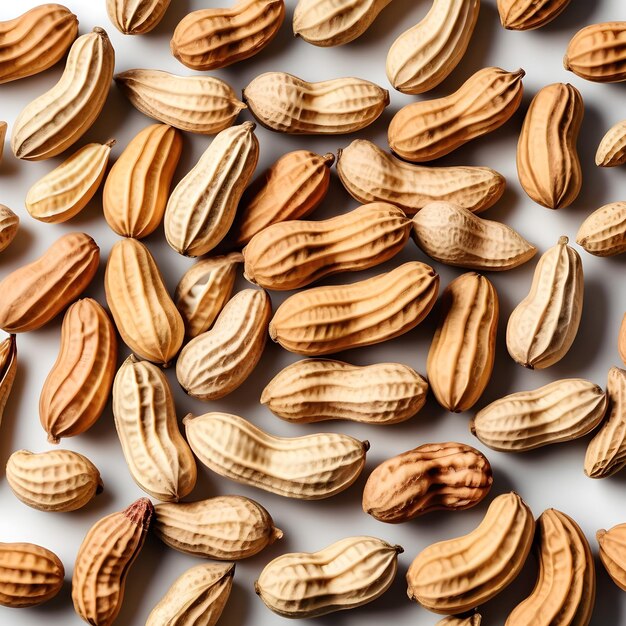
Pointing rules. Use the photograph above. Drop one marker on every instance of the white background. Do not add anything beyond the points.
(551, 477)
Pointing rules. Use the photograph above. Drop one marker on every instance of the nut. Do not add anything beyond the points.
(529, 14)
(8, 369)
(9, 225)
(612, 148)
(473, 620)
(613, 553)
(3, 133)
(603, 233)
(136, 17)
(621, 339)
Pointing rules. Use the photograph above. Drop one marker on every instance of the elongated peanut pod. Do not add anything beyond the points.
(136, 17)
(3, 134)
(529, 14)
(8, 369)
(603, 233)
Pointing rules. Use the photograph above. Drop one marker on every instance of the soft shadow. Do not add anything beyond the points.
(385, 26)
(574, 17)
(609, 598)
(19, 248)
(111, 120)
(9, 418)
(237, 608)
(174, 14)
(59, 603)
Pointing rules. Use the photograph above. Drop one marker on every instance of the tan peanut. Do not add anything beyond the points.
(462, 353)
(566, 585)
(543, 326)
(37, 292)
(65, 191)
(60, 117)
(613, 553)
(136, 17)
(529, 14)
(136, 190)
(434, 476)
(3, 134)
(288, 104)
(293, 254)
(324, 320)
(612, 148)
(198, 104)
(29, 575)
(315, 390)
(455, 236)
(202, 207)
(621, 339)
(603, 233)
(311, 467)
(35, 41)
(473, 620)
(8, 369)
(290, 189)
(547, 161)
(423, 56)
(204, 289)
(9, 225)
(560, 411)
(78, 385)
(430, 129)
(144, 313)
(104, 560)
(56, 480)
(218, 361)
(227, 528)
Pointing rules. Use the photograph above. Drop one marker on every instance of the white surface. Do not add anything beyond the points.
(551, 477)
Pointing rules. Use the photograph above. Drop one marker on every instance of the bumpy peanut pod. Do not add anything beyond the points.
(423, 56)
(29, 575)
(202, 206)
(308, 468)
(135, 17)
(324, 320)
(104, 560)
(370, 174)
(290, 189)
(334, 23)
(218, 361)
(612, 148)
(66, 190)
(315, 390)
(136, 189)
(597, 53)
(613, 553)
(474, 620)
(565, 591)
(430, 129)
(60, 117)
(9, 225)
(288, 104)
(227, 528)
(35, 41)
(462, 353)
(78, 385)
(35, 293)
(547, 161)
(603, 233)
(459, 574)
(3, 134)
(455, 236)
(198, 104)
(529, 14)
(144, 313)
(204, 289)
(434, 476)
(348, 573)
(293, 254)
(560, 411)
(197, 597)
(8, 369)
(57, 480)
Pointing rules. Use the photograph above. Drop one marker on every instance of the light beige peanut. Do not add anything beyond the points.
(324, 320)
(60, 117)
(430, 129)
(136, 17)
(65, 191)
(423, 56)
(35, 41)
(198, 104)
(370, 174)
(136, 190)
(547, 160)
(202, 207)
(227, 528)
(218, 361)
(311, 467)
(529, 14)
(613, 553)
(288, 104)
(543, 326)
(559, 411)
(455, 236)
(104, 559)
(290, 189)
(144, 313)
(612, 148)
(293, 254)
(3, 133)
(36, 293)
(56, 480)
(29, 575)
(603, 233)
(196, 597)
(315, 390)
(9, 225)
(434, 476)
(77, 388)
(208, 39)
(462, 353)
(8, 369)
(346, 574)
(459, 574)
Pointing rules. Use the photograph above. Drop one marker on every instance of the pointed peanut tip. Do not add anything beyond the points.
(140, 512)
(99, 486)
(265, 396)
(563, 240)
(472, 427)
(276, 534)
(366, 445)
(53, 439)
(398, 549)
(600, 535)
(272, 331)
(110, 143)
(257, 589)
(329, 159)
(100, 31)
(249, 126)
(187, 419)
(520, 73)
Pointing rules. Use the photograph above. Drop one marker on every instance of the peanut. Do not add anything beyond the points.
(621, 339)
(603, 233)
(529, 14)
(613, 553)
(612, 148)
(473, 620)
(8, 369)
(3, 134)
(136, 17)
(9, 225)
